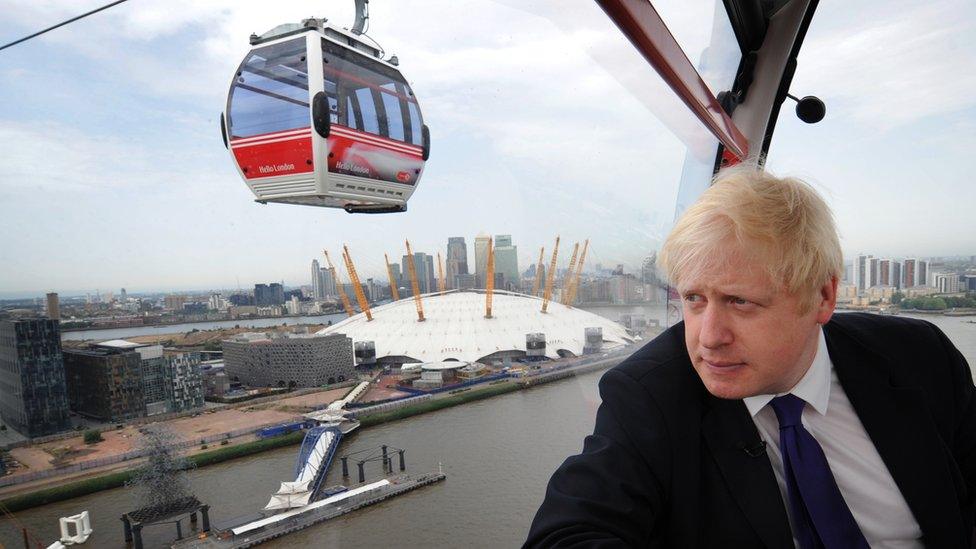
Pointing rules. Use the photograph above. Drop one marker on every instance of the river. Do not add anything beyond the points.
(122, 333)
(498, 454)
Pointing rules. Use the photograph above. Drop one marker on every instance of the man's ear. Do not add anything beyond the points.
(826, 301)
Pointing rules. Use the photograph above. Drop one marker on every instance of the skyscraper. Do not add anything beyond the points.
(317, 291)
(861, 273)
(923, 277)
(884, 272)
(481, 258)
(896, 274)
(33, 393)
(269, 294)
(872, 272)
(506, 260)
(457, 259)
(908, 268)
(424, 264)
(53, 306)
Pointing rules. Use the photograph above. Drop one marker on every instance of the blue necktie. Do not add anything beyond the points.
(821, 517)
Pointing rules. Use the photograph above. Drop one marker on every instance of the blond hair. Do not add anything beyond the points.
(782, 223)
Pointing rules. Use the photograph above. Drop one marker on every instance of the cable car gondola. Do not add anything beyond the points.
(315, 116)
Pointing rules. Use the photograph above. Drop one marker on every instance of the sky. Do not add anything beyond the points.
(544, 122)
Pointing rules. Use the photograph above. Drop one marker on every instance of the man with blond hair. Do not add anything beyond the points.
(764, 419)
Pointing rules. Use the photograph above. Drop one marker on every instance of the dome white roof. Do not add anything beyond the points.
(455, 327)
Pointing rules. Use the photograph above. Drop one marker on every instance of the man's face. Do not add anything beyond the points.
(745, 334)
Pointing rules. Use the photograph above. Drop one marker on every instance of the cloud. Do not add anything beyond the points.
(907, 62)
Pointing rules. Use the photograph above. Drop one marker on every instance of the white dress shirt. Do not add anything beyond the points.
(865, 482)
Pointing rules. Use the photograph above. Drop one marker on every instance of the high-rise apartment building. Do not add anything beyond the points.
(873, 279)
(266, 295)
(53, 306)
(861, 273)
(317, 291)
(33, 393)
(922, 278)
(457, 259)
(909, 272)
(884, 272)
(481, 258)
(506, 260)
(896, 274)
(154, 374)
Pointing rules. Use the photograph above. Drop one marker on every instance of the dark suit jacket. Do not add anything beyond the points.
(667, 465)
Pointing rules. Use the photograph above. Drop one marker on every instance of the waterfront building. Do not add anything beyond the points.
(506, 261)
(154, 372)
(457, 259)
(481, 259)
(861, 272)
(53, 306)
(266, 295)
(909, 273)
(455, 328)
(317, 292)
(290, 360)
(175, 302)
(105, 383)
(185, 381)
(896, 280)
(884, 272)
(922, 278)
(873, 272)
(946, 283)
(33, 392)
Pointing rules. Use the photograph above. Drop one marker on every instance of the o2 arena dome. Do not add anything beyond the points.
(455, 329)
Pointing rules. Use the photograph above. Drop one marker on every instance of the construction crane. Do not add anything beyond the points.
(568, 277)
(441, 282)
(547, 294)
(536, 284)
(357, 287)
(490, 275)
(570, 297)
(413, 283)
(393, 285)
(338, 281)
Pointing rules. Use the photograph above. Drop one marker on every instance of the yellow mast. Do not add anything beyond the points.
(357, 287)
(413, 282)
(574, 286)
(342, 291)
(441, 283)
(568, 279)
(490, 283)
(393, 285)
(547, 294)
(538, 273)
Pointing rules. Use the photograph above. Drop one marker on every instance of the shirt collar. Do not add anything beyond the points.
(813, 387)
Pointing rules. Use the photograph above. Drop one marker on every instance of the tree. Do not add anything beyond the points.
(897, 297)
(93, 436)
(162, 480)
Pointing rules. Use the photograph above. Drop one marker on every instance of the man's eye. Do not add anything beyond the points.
(693, 298)
(740, 301)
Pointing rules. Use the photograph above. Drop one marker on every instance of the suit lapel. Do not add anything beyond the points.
(898, 422)
(728, 430)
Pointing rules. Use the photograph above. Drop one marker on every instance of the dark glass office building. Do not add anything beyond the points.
(105, 383)
(33, 395)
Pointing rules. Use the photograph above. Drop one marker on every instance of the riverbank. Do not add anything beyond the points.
(98, 482)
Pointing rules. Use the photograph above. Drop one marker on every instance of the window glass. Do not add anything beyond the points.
(360, 76)
(367, 108)
(270, 92)
(415, 124)
(394, 116)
